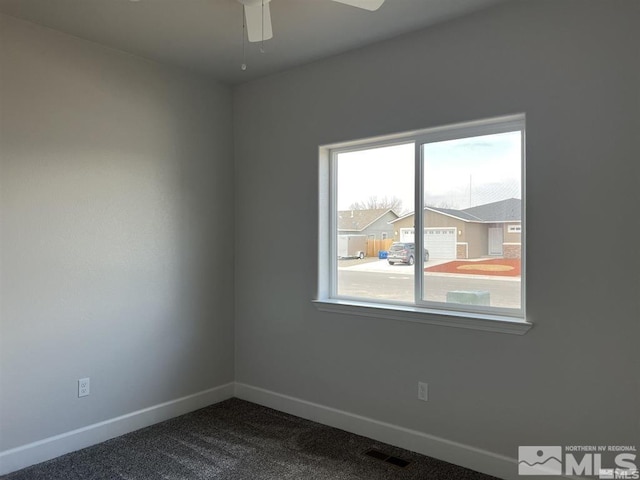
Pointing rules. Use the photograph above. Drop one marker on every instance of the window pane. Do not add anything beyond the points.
(472, 220)
(375, 187)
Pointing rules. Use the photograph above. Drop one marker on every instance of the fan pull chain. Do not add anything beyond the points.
(243, 67)
(262, 43)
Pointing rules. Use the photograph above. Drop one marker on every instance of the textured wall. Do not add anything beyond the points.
(115, 206)
(572, 67)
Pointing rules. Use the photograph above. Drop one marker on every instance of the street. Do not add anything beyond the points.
(396, 283)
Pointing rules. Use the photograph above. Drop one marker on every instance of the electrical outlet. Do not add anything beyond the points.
(423, 391)
(84, 387)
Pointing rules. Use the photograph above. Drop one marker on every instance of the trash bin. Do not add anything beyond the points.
(382, 254)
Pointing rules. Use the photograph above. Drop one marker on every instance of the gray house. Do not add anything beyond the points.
(374, 223)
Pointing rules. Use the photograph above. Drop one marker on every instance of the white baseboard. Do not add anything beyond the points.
(457, 453)
(48, 448)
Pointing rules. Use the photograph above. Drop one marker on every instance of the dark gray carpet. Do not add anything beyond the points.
(236, 440)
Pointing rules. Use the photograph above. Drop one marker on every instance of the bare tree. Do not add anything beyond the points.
(374, 203)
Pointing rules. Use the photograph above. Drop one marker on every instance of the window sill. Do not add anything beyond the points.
(473, 321)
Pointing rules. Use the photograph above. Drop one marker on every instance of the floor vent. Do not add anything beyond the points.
(385, 457)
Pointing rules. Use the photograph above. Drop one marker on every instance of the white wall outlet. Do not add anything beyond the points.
(423, 391)
(84, 387)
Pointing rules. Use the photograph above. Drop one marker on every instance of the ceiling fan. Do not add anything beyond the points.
(258, 16)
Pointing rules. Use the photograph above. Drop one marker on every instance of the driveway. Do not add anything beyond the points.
(382, 266)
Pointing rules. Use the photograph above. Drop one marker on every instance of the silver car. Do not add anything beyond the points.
(403, 252)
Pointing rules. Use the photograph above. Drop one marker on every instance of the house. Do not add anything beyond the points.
(374, 223)
(491, 229)
(158, 230)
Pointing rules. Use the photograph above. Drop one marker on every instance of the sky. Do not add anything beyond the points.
(458, 173)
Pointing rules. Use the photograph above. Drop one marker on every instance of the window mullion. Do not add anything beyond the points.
(333, 221)
(418, 228)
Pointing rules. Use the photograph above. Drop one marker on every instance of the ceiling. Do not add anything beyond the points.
(206, 35)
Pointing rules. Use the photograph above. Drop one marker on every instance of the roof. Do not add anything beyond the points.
(508, 210)
(358, 220)
(461, 214)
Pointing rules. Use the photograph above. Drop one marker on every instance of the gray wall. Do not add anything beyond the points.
(572, 66)
(116, 201)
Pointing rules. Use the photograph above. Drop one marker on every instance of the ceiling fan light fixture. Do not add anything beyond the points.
(371, 5)
(258, 17)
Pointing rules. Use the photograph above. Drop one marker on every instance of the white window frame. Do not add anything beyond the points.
(479, 318)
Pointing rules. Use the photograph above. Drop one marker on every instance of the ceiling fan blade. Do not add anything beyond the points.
(371, 5)
(255, 22)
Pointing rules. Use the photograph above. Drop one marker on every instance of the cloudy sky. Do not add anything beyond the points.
(458, 173)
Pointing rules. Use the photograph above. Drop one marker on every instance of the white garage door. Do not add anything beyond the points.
(441, 242)
(407, 235)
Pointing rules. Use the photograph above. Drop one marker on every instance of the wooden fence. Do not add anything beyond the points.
(374, 246)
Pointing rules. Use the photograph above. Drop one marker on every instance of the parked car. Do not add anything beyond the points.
(402, 252)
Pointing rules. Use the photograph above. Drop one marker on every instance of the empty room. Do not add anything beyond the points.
(209, 266)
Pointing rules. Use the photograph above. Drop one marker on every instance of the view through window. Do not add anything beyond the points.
(470, 256)
(375, 187)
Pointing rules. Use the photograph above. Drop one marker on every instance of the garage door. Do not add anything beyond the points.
(441, 242)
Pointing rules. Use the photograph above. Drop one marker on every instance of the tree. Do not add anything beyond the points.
(374, 203)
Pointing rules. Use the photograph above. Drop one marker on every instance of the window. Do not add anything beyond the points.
(466, 183)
